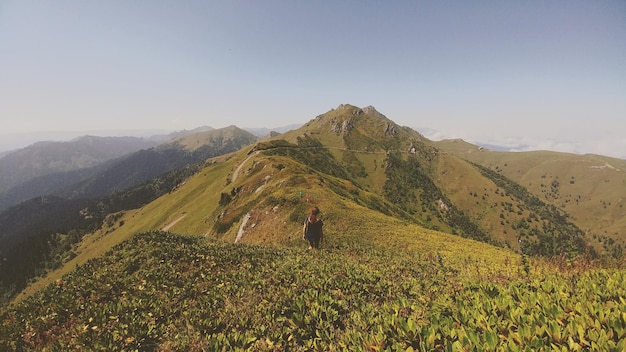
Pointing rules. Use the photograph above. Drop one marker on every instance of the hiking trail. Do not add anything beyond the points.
(168, 226)
(238, 169)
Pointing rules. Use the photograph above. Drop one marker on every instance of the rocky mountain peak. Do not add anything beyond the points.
(369, 109)
(341, 127)
(343, 119)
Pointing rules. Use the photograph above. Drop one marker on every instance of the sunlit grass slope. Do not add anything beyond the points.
(189, 202)
(591, 188)
(166, 292)
(269, 196)
(338, 161)
(215, 138)
(219, 262)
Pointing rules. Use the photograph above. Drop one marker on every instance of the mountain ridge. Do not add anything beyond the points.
(417, 255)
(355, 164)
(585, 186)
(329, 155)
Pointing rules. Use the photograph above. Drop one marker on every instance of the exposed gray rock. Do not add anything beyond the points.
(442, 205)
(369, 109)
(390, 129)
(341, 127)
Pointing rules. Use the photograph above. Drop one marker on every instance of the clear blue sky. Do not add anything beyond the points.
(546, 74)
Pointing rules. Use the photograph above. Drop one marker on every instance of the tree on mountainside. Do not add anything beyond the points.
(556, 236)
(406, 179)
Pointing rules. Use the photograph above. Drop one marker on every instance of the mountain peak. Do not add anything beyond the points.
(347, 111)
(370, 109)
(346, 117)
(355, 110)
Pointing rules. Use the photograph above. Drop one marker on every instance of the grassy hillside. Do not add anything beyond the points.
(43, 233)
(230, 137)
(218, 262)
(427, 185)
(590, 188)
(192, 201)
(349, 161)
(160, 291)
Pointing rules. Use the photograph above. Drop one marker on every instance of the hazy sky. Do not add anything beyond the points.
(544, 74)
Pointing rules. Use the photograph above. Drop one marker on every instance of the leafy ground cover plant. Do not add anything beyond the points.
(167, 292)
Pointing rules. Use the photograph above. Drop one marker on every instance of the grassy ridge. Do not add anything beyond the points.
(160, 291)
(590, 188)
(382, 282)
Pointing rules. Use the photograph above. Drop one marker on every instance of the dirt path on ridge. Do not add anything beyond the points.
(168, 226)
(235, 175)
(238, 169)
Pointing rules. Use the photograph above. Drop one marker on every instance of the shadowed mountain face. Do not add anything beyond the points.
(52, 157)
(144, 165)
(113, 174)
(37, 233)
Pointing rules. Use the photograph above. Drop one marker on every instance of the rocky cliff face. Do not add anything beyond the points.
(345, 117)
(341, 127)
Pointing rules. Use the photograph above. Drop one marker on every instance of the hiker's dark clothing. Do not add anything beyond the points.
(313, 232)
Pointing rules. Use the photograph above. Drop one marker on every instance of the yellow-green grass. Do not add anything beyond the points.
(190, 198)
(170, 292)
(591, 188)
(196, 140)
(275, 199)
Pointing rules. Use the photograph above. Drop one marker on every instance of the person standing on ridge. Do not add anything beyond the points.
(312, 230)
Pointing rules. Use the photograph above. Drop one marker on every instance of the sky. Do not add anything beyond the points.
(522, 74)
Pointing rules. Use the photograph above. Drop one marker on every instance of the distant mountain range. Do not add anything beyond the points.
(11, 142)
(96, 166)
(14, 141)
(46, 167)
(43, 158)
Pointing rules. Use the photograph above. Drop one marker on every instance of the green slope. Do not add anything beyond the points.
(427, 185)
(222, 138)
(590, 188)
(398, 270)
(159, 291)
(355, 164)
